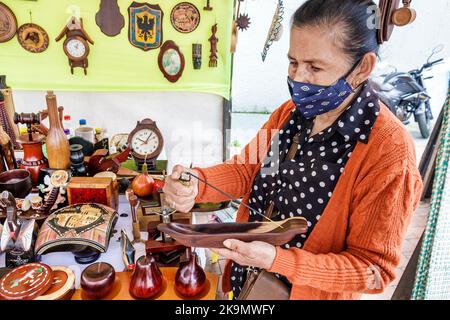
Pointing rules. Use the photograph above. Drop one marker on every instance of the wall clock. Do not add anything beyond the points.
(146, 142)
(8, 23)
(185, 17)
(171, 61)
(33, 38)
(76, 45)
(145, 30)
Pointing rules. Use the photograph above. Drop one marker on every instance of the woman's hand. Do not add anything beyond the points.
(180, 195)
(255, 254)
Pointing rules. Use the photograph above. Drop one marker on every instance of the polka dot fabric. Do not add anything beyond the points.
(302, 187)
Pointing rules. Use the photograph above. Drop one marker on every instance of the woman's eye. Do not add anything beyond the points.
(315, 69)
(293, 63)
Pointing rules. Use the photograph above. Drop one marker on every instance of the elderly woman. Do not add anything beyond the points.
(334, 155)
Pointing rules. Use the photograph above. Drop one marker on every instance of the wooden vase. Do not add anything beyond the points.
(58, 148)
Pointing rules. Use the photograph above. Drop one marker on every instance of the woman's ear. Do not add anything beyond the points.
(364, 70)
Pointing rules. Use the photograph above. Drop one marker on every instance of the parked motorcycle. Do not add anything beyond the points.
(406, 95)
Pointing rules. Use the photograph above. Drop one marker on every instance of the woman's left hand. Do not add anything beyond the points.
(255, 254)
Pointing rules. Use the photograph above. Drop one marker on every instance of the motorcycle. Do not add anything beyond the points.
(406, 95)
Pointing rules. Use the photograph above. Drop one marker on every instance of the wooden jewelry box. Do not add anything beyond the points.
(91, 190)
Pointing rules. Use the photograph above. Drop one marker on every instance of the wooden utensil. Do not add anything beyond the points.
(213, 235)
(58, 148)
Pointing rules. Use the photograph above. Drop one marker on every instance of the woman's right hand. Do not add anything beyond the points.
(180, 195)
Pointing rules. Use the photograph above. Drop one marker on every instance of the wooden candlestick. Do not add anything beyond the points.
(58, 148)
(97, 280)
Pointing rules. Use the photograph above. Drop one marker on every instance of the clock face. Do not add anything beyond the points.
(76, 48)
(145, 142)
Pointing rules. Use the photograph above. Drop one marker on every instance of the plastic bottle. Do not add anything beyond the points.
(67, 124)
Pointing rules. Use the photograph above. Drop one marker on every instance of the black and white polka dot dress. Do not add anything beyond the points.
(303, 186)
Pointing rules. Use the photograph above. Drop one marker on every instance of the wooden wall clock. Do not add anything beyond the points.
(109, 18)
(146, 25)
(76, 45)
(33, 38)
(185, 17)
(146, 142)
(171, 61)
(8, 23)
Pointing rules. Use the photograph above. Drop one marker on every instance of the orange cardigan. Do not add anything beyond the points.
(356, 246)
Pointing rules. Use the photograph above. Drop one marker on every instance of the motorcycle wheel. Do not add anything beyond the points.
(424, 125)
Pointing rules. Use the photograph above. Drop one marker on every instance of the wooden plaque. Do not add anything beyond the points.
(185, 17)
(33, 38)
(26, 282)
(171, 61)
(8, 23)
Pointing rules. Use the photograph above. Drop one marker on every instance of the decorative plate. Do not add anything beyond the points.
(63, 285)
(26, 282)
(185, 17)
(33, 38)
(8, 23)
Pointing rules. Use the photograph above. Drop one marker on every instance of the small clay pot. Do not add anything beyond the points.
(97, 280)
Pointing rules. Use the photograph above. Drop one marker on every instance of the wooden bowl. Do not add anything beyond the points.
(97, 280)
(213, 235)
(18, 182)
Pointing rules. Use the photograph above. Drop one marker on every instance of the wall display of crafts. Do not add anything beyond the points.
(135, 31)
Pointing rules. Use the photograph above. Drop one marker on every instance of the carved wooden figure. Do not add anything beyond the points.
(213, 40)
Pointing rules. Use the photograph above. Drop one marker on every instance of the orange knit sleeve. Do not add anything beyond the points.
(382, 207)
(236, 175)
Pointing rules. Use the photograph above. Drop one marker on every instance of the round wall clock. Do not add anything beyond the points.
(33, 38)
(8, 23)
(26, 282)
(185, 17)
(76, 48)
(146, 143)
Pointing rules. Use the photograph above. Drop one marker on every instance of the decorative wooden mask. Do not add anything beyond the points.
(276, 29)
(33, 38)
(185, 17)
(145, 25)
(8, 23)
(197, 55)
(171, 61)
(109, 18)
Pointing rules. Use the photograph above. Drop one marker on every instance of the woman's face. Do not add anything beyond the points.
(315, 57)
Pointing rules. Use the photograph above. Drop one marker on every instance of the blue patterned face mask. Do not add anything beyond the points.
(313, 100)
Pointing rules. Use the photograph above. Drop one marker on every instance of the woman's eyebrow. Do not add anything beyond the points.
(310, 61)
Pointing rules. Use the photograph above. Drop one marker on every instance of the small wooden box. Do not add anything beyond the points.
(91, 190)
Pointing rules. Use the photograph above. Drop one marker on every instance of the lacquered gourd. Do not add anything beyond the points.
(142, 185)
(190, 279)
(147, 279)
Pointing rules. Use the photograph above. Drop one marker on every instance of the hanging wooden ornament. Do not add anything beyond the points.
(145, 30)
(276, 29)
(208, 6)
(405, 15)
(213, 57)
(185, 17)
(242, 19)
(109, 18)
(8, 23)
(171, 61)
(33, 38)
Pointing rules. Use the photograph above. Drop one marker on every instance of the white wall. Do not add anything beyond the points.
(259, 86)
(191, 123)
